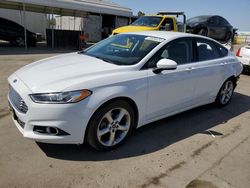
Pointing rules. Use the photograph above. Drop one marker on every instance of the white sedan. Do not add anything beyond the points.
(102, 94)
(243, 54)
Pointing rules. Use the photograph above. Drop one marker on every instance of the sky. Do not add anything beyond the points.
(237, 12)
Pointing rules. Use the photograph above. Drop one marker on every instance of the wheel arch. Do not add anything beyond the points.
(233, 77)
(121, 98)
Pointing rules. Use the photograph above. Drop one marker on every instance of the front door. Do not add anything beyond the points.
(171, 90)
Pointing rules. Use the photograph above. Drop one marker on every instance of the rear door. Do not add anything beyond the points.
(209, 68)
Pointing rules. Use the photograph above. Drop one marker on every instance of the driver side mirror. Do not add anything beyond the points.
(165, 64)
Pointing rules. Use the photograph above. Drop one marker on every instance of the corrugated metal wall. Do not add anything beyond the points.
(35, 22)
(93, 28)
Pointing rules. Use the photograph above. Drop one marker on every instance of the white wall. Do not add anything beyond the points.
(68, 23)
(35, 22)
(92, 25)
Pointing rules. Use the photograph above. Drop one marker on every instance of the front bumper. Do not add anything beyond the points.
(70, 118)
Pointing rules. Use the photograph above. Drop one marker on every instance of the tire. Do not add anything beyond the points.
(203, 32)
(111, 125)
(226, 92)
(228, 36)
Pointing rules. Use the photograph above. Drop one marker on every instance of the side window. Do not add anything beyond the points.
(222, 50)
(179, 50)
(214, 20)
(223, 21)
(168, 21)
(206, 50)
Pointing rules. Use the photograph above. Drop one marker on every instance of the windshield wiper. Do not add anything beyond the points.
(98, 57)
(104, 59)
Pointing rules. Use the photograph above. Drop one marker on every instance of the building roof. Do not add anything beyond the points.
(68, 7)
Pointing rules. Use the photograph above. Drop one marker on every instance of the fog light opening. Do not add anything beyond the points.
(52, 131)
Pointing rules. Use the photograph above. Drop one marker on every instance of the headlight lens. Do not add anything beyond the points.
(61, 98)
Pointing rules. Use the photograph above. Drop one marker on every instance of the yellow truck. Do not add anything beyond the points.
(161, 21)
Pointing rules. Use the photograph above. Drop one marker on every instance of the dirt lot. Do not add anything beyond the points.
(205, 147)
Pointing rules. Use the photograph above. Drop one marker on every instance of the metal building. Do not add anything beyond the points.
(97, 16)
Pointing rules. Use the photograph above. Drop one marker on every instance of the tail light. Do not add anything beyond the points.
(238, 53)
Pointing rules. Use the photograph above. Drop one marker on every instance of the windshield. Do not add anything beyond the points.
(124, 49)
(198, 19)
(150, 21)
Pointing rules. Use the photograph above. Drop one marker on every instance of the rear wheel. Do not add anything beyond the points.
(226, 92)
(111, 125)
(203, 32)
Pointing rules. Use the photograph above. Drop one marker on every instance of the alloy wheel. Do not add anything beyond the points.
(226, 92)
(113, 127)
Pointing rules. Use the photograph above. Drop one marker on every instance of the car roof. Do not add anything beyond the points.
(168, 35)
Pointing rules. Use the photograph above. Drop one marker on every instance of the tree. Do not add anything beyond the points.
(140, 13)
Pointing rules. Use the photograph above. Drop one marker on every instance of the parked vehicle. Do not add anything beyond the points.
(161, 21)
(212, 26)
(243, 54)
(102, 94)
(14, 33)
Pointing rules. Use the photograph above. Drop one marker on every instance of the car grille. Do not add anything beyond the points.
(17, 101)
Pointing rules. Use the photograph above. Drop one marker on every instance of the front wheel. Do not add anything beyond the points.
(225, 94)
(111, 125)
(228, 36)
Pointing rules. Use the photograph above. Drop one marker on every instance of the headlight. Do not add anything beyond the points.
(61, 98)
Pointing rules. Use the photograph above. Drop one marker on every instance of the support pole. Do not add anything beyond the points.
(74, 22)
(61, 22)
(184, 23)
(45, 26)
(116, 22)
(24, 24)
(52, 32)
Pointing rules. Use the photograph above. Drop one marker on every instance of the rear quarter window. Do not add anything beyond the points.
(206, 50)
(223, 52)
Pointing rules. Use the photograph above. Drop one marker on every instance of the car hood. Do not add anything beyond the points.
(62, 72)
(132, 28)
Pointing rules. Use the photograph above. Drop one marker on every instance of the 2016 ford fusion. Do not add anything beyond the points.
(102, 94)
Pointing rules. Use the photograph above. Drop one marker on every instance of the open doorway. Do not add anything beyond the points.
(108, 24)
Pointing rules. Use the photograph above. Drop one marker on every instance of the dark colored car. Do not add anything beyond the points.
(213, 26)
(14, 33)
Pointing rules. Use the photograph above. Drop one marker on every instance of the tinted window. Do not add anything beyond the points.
(206, 50)
(150, 21)
(223, 21)
(198, 19)
(222, 50)
(214, 20)
(179, 50)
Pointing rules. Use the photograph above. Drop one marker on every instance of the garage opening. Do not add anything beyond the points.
(108, 24)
